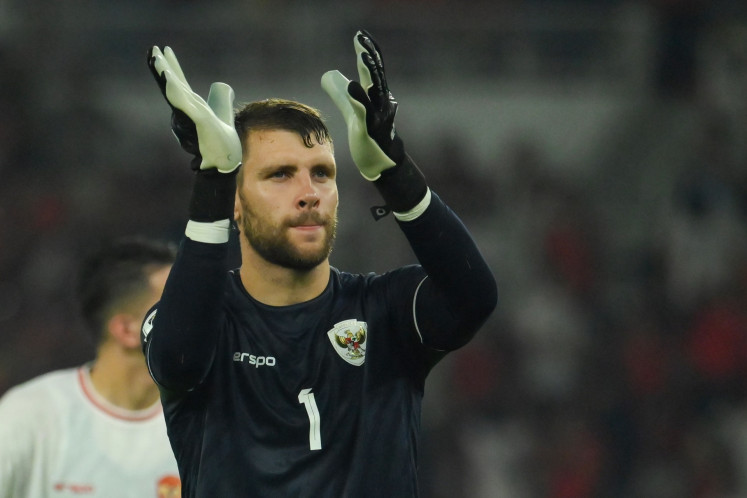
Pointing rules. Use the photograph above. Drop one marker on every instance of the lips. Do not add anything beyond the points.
(308, 221)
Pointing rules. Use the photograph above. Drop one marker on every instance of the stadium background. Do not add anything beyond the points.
(597, 149)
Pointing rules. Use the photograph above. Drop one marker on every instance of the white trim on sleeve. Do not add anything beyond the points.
(216, 232)
(419, 208)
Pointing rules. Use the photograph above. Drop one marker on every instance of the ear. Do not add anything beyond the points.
(124, 328)
(237, 207)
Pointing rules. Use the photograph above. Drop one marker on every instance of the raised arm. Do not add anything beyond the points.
(460, 292)
(180, 334)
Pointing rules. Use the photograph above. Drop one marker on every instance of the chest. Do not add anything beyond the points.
(277, 357)
(301, 379)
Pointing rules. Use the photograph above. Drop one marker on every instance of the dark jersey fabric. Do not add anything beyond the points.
(254, 433)
(317, 399)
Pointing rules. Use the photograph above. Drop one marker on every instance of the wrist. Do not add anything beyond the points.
(216, 232)
(402, 186)
(416, 211)
(213, 196)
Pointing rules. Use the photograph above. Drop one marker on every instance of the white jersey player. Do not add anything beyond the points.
(59, 438)
(97, 430)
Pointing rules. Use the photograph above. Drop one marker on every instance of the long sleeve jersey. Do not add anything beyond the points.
(317, 399)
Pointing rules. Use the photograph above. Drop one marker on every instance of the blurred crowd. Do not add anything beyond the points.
(613, 369)
(616, 365)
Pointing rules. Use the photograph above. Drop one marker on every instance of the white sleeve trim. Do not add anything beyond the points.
(419, 208)
(216, 232)
(414, 313)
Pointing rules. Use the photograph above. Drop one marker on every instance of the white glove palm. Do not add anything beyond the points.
(368, 109)
(204, 129)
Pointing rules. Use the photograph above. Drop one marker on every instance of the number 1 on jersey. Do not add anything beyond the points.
(306, 398)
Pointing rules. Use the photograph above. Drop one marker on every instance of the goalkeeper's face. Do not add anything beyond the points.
(286, 202)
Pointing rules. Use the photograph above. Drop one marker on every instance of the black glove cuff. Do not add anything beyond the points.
(402, 186)
(213, 196)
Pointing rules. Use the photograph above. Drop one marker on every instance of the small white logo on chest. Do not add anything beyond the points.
(256, 361)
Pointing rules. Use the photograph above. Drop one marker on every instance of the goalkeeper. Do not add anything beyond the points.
(287, 376)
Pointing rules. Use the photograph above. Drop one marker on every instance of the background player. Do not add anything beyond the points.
(96, 430)
(262, 395)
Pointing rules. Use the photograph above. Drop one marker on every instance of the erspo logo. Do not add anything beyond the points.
(256, 361)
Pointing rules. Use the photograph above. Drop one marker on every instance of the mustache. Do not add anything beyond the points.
(308, 218)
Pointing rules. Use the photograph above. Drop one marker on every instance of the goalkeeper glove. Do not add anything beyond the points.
(205, 130)
(369, 109)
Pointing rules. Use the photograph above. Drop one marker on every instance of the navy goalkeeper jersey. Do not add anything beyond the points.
(317, 399)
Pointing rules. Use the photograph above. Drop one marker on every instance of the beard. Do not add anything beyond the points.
(272, 243)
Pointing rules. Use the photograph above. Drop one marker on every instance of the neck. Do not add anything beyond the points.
(278, 286)
(122, 378)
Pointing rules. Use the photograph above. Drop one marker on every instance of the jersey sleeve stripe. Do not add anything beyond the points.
(414, 312)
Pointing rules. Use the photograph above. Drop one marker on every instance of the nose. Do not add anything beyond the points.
(308, 197)
(308, 200)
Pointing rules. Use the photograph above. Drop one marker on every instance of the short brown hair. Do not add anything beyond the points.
(281, 114)
(117, 271)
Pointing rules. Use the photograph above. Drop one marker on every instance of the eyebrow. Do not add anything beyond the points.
(269, 168)
(293, 167)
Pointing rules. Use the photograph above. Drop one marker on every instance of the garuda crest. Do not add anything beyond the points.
(349, 340)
